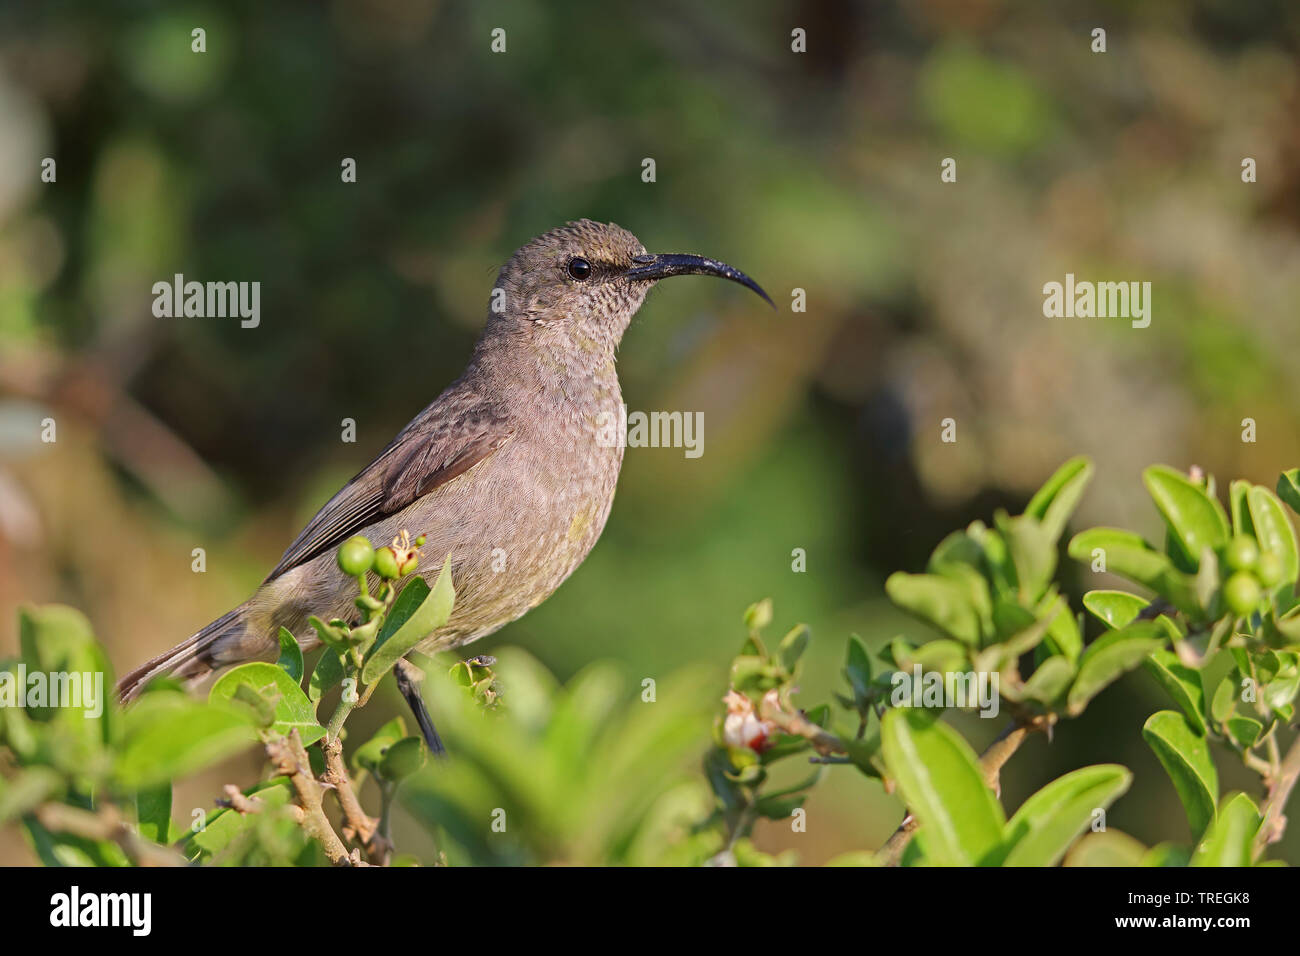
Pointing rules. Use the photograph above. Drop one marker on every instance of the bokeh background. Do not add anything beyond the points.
(817, 171)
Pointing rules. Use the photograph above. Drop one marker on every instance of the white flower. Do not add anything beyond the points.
(742, 727)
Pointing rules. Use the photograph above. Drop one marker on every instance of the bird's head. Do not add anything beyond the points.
(585, 280)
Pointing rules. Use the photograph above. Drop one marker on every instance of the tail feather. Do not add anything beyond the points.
(191, 659)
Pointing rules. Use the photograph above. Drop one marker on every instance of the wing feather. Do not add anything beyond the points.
(441, 444)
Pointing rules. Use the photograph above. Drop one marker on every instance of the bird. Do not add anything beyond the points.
(506, 472)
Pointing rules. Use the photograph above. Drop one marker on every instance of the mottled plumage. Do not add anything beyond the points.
(503, 471)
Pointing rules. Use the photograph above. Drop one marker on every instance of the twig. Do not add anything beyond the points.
(289, 757)
(107, 824)
(1280, 785)
(363, 828)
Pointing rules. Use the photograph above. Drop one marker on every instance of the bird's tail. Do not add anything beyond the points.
(190, 660)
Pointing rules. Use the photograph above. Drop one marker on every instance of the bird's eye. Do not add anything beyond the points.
(579, 268)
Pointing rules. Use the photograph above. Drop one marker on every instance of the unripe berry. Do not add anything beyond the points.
(386, 563)
(1242, 593)
(1269, 569)
(1242, 553)
(356, 556)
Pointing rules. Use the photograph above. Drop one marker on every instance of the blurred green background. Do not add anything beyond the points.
(817, 171)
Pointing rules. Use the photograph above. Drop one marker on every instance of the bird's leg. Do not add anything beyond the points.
(409, 679)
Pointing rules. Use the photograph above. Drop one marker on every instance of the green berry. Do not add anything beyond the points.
(356, 556)
(1270, 570)
(1242, 553)
(386, 563)
(1242, 593)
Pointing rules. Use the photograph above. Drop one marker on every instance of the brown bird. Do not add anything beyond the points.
(509, 470)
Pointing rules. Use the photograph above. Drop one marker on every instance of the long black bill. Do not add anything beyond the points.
(678, 264)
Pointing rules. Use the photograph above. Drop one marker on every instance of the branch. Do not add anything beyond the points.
(359, 826)
(1280, 785)
(289, 757)
(107, 824)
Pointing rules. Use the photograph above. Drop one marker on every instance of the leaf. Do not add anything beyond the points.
(1040, 832)
(325, 676)
(1180, 682)
(1033, 554)
(1110, 656)
(1185, 755)
(1127, 554)
(1240, 510)
(939, 601)
(857, 668)
(1049, 681)
(402, 758)
(1106, 848)
(1063, 635)
(167, 735)
(1054, 503)
(153, 812)
(370, 754)
(292, 708)
(1115, 609)
(793, 645)
(940, 781)
(1196, 519)
(1231, 834)
(1244, 731)
(411, 620)
(221, 828)
(290, 655)
(1273, 530)
(1288, 488)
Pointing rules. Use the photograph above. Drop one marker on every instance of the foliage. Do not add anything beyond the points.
(593, 772)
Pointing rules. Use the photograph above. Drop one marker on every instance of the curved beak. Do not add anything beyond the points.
(678, 264)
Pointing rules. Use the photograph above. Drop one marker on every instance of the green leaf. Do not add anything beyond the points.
(1230, 836)
(938, 600)
(1115, 609)
(1110, 656)
(1273, 530)
(1063, 635)
(402, 758)
(1180, 682)
(292, 708)
(1239, 508)
(290, 655)
(1041, 831)
(1106, 848)
(939, 778)
(1244, 731)
(1196, 519)
(793, 645)
(1033, 554)
(1048, 683)
(857, 668)
(1055, 502)
(1185, 755)
(167, 735)
(1129, 555)
(416, 614)
(1288, 488)
(325, 676)
(371, 754)
(153, 812)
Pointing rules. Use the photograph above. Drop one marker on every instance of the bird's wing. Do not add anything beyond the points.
(435, 448)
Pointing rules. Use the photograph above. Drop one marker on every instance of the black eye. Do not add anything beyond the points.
(579, 268)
